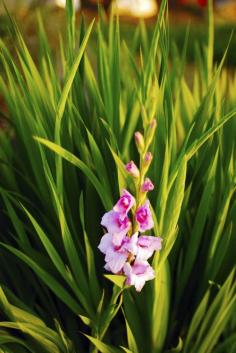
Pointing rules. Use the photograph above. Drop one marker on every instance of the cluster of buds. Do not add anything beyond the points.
(125, 245)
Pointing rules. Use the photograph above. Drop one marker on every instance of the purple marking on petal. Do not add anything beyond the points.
(125, 203)
(117, 255)
(144, 217)
(149, 241)
(139, 268)
(138, 274)
(132, 169)
(146, 247)
(116, 224)
(148, 157)
(147, 185)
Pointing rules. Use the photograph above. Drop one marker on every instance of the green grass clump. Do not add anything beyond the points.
(71, 127)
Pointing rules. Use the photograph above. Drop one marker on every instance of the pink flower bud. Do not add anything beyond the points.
(153, 124)
(147, 185)
(147, 161)
(132, 169)
(148, 157)
(139, 141)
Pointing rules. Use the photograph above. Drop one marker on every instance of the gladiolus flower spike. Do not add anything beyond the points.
(126, 250)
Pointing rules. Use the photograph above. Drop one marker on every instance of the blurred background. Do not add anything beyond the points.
(182, 13)
(131, 8)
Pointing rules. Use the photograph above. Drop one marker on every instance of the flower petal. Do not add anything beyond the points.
(130, 244)
(146, 246)
(116, 224)
(144, 217)
(116, 260)
(117, 238)
(105, 243)
(125, 203)
(138, 273)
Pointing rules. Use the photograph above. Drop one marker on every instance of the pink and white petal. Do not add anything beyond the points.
(116, 224)
(109, 220)
(139, 283)
(143, 254)
(138, 274)
(116, 263)
(125, 203)
(147, 241)
(144, 217)
(105, 243)
(107, 267)
(117, 238)
(148, 224)
(149, 273)
(131, 244)
(127, 269)
(140, 267)
(146, 246)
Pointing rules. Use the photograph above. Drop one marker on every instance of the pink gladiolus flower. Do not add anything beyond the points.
(116, 224)
(144, 217)
(146, 247)
(116, 256)
(147, 185)
(125, 203)
(132, 169)
(138, 273)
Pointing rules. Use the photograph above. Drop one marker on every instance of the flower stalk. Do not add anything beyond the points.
(126, 251)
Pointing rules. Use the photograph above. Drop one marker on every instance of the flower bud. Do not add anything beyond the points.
(147, 161)
(139, 141)
(153, 124)
(151, 131)
(148, 158)
(147, 185)
(132, 169)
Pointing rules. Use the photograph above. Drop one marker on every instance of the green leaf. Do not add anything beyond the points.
(49, 280)
(103, 348)
(160, 304)
(117, 280)
(81, 165)
(178, 348)
(71, 75)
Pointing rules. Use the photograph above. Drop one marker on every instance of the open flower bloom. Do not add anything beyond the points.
(116, 224)
(138, 273)
(146, 245)
(116, 256)
(144, 217)
(125, 203)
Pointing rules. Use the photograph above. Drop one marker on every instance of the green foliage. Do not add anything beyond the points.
(71, 126)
